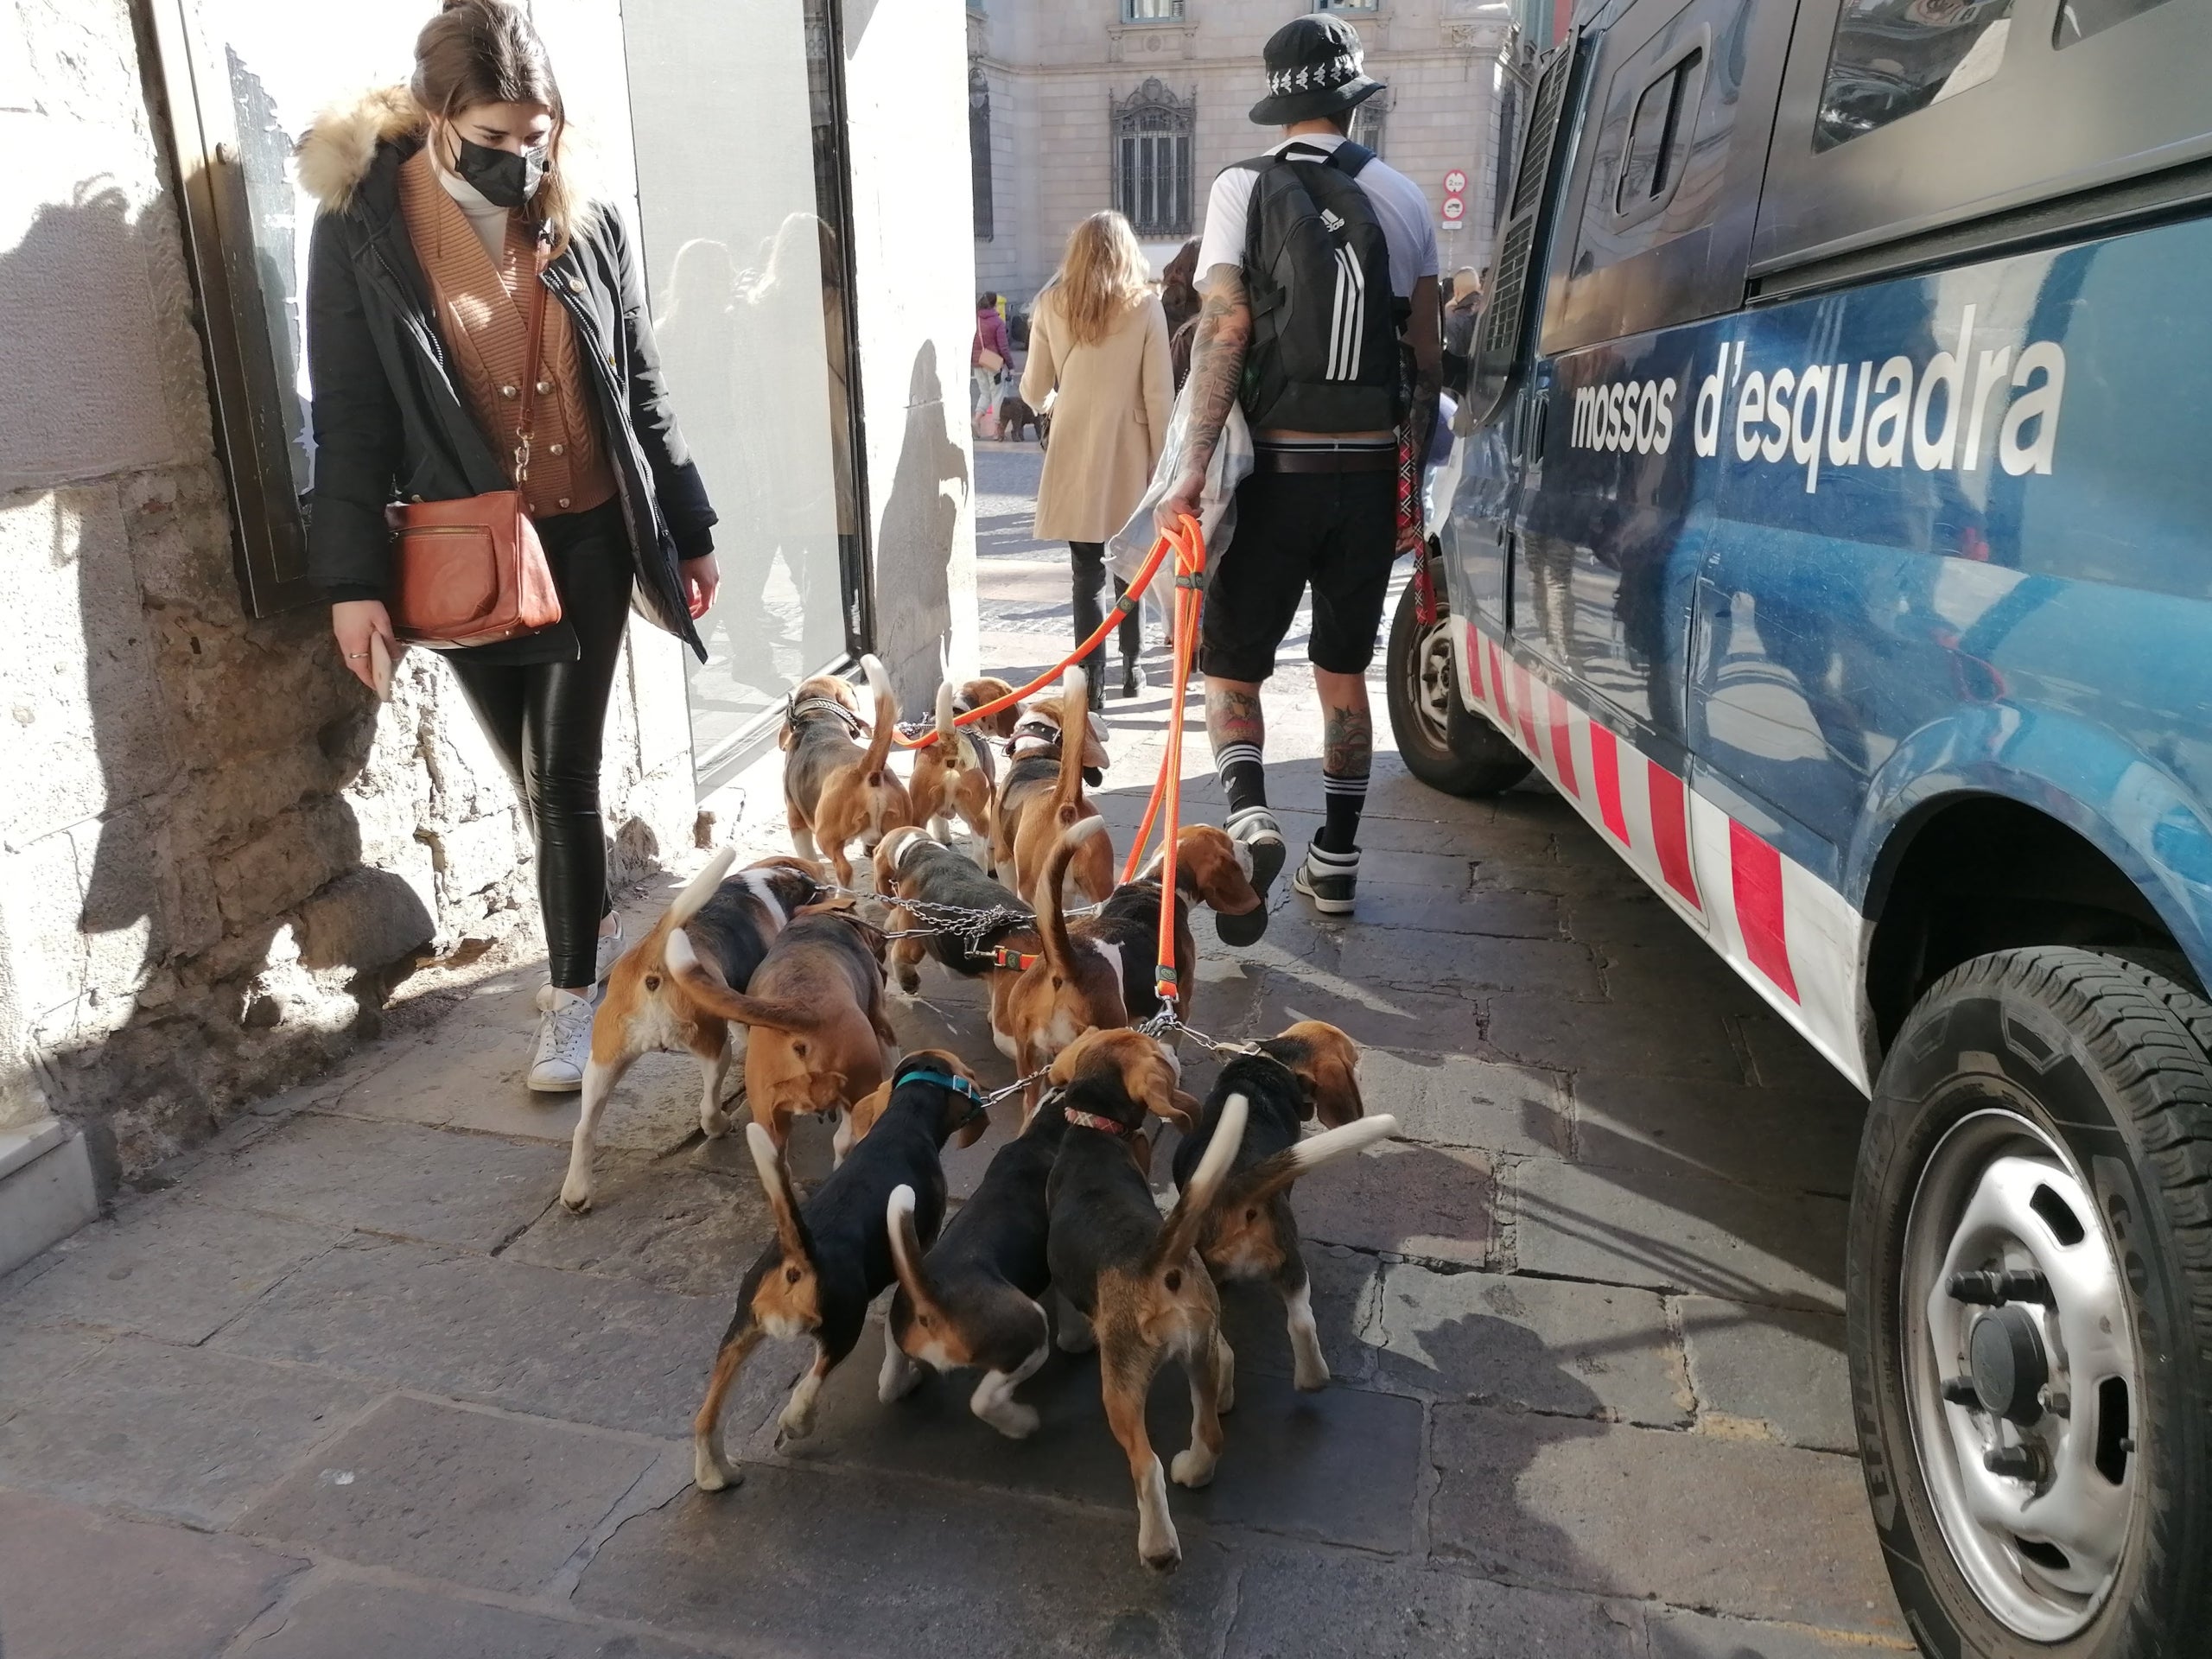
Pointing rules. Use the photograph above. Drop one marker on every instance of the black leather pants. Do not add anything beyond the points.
(547, 720)
(1087, 560)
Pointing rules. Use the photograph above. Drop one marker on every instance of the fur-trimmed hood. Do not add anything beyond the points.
(335, 154)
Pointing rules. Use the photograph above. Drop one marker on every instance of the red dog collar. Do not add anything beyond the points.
(1006, 956)
(1092, 1121)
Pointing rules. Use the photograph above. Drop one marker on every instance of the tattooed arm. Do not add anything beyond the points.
(1217, 369)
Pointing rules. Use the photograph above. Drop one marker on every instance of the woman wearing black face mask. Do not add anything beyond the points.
(447, 207)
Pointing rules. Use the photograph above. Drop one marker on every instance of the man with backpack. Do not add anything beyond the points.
(1317, 259)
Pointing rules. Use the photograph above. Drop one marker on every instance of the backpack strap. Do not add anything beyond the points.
(1349, 158)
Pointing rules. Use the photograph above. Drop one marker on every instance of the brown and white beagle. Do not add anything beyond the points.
(820, 1041)
(957, 775)
(1041, 794)
(912, 869)
(1134, 1281)
(835, 791)
(830, 1255)
(731, 920)
(1042, 1001)
(1250, 1234)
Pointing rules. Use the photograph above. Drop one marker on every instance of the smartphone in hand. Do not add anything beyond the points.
(380, 667)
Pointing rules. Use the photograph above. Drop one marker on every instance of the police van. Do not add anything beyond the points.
(1833, 530)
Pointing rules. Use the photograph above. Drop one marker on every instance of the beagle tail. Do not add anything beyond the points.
(700, 888)
(1178, 1235)
(1051, 920)
(1271, 1175)
(683, 962)
(783, 1199)
(947, 733)
(906, 1249)
(1075, 736)
(886, 719)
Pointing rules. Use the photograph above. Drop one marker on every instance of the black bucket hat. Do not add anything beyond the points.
(1312, 71)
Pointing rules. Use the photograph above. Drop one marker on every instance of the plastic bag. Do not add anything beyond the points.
(1231, 465)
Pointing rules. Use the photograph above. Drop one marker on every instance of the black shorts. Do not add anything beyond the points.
(1336, 530)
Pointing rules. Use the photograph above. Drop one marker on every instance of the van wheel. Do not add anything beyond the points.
(1446, 745)
(2030, 1287)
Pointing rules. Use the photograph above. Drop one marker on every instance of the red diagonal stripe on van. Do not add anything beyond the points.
(1563, 746)
(1525, 697)
(1500, 692)
(1475, 664)
(1605, 773)
(1756, 871)
(1670, 833)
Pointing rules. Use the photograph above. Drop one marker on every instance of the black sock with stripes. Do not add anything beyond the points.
(1346, 799)
(1242, 779)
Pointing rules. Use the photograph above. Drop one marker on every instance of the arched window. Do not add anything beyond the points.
(1152, 159)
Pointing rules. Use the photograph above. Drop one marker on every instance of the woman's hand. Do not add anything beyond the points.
(353, 621)
(699, 578)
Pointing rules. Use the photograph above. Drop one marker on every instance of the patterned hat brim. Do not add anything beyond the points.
(1284, 109)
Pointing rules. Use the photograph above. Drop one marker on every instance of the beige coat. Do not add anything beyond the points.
(1109, 423)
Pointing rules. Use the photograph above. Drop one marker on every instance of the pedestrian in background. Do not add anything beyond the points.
(987, 359)
(1178, 298)
(1099, 335)
(448, 216)
(1461, 314)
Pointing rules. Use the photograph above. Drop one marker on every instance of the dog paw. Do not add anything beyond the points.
(1161, 1558)
(1309, 1378)
(1192, 1466)
(709, 1473)
(1077, 1337)
(1016, 1423)
(714, 1125)
(575, 1198)
(795, 1425)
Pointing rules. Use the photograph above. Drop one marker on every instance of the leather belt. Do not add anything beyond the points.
(1381, 459)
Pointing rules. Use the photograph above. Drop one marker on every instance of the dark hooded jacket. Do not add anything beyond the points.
(389, 422)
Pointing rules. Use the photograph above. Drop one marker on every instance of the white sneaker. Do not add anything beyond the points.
(607, 953)
(564, 1041)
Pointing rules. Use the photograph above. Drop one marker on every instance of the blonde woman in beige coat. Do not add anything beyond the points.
(1099, 335)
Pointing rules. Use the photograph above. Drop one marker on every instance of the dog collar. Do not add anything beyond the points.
(1083, 1120)
(806, 706)
(976, 1105)
(1006, 956)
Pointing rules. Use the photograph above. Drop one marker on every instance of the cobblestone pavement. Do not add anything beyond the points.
(350, 1382)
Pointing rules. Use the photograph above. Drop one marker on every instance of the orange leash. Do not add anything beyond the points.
(1121, 607)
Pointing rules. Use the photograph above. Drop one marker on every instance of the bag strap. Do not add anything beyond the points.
(525, 417)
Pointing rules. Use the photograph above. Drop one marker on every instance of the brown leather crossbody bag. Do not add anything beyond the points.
(472, 572)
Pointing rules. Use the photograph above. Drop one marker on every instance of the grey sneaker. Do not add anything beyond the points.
(1254, 829)
(607, 953)
(1329, 880)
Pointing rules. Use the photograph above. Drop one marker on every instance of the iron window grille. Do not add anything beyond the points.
(1152, 159)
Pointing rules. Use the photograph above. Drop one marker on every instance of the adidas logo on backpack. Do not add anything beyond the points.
(1331, 217)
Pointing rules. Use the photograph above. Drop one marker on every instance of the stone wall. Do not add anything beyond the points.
(1056, 69)
(218, 857)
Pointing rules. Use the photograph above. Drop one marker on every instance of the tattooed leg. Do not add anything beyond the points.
(1347, 756)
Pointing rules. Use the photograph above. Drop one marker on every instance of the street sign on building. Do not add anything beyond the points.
(1455, 212)
(1455, 183)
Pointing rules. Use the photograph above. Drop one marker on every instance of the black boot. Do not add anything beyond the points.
(1087, 562)
(1131, 639)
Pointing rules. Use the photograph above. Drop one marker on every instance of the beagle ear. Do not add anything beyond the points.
(1094, 751)
(1141, 1149)
(1188, 1109)
(865, 1110)
(973, 1130)
(787, 737)
(1153, 1085)
(1336, 1091)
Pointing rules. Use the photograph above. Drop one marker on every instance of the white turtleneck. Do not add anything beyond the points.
(488, 219)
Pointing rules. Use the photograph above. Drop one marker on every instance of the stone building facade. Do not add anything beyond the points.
(218, 856)
(1080, 104)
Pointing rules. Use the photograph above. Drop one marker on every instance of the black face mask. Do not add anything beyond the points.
(500, 175)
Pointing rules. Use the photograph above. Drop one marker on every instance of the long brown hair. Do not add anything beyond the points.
(1101, 275)
(487, 52)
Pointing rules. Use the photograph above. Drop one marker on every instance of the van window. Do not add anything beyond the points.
(1892, 58)
(2079, 19)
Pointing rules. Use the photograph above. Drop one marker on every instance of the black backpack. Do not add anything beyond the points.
(1324, 356)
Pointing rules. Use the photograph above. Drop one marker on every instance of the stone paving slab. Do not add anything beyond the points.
(1641, 1038)
(186, 1432)
(1583, 1351)
(176, 1270)
(1780, 1139)
(677, 1229)
(1775, 1367)
(1345, 1287)
(569, 1346)
(1731, 1526)
(467, 1189)
(475, 1498)
(1340, 1465)
(78, 1585)
(1433, 1202)
(347, 1618)
(1373, 1016)
(1454, 1100)
(1700, 1635)
(869, 1565)
(1678, 1233)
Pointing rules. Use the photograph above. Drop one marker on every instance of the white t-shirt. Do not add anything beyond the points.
(1400, 208)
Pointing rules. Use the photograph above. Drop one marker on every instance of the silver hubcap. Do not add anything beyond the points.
(2020, 1374)
(1432, 676)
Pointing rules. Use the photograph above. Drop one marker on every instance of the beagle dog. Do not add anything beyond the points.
(957, 775)
(1135, 1282)
(974, 1298)
(1043, 999)
(1041, 794)
(832, 1255)
(1063, 992)
(818, 1000)
(731, 920)
(910, 866)
(1249, 1233)
(835, 791)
